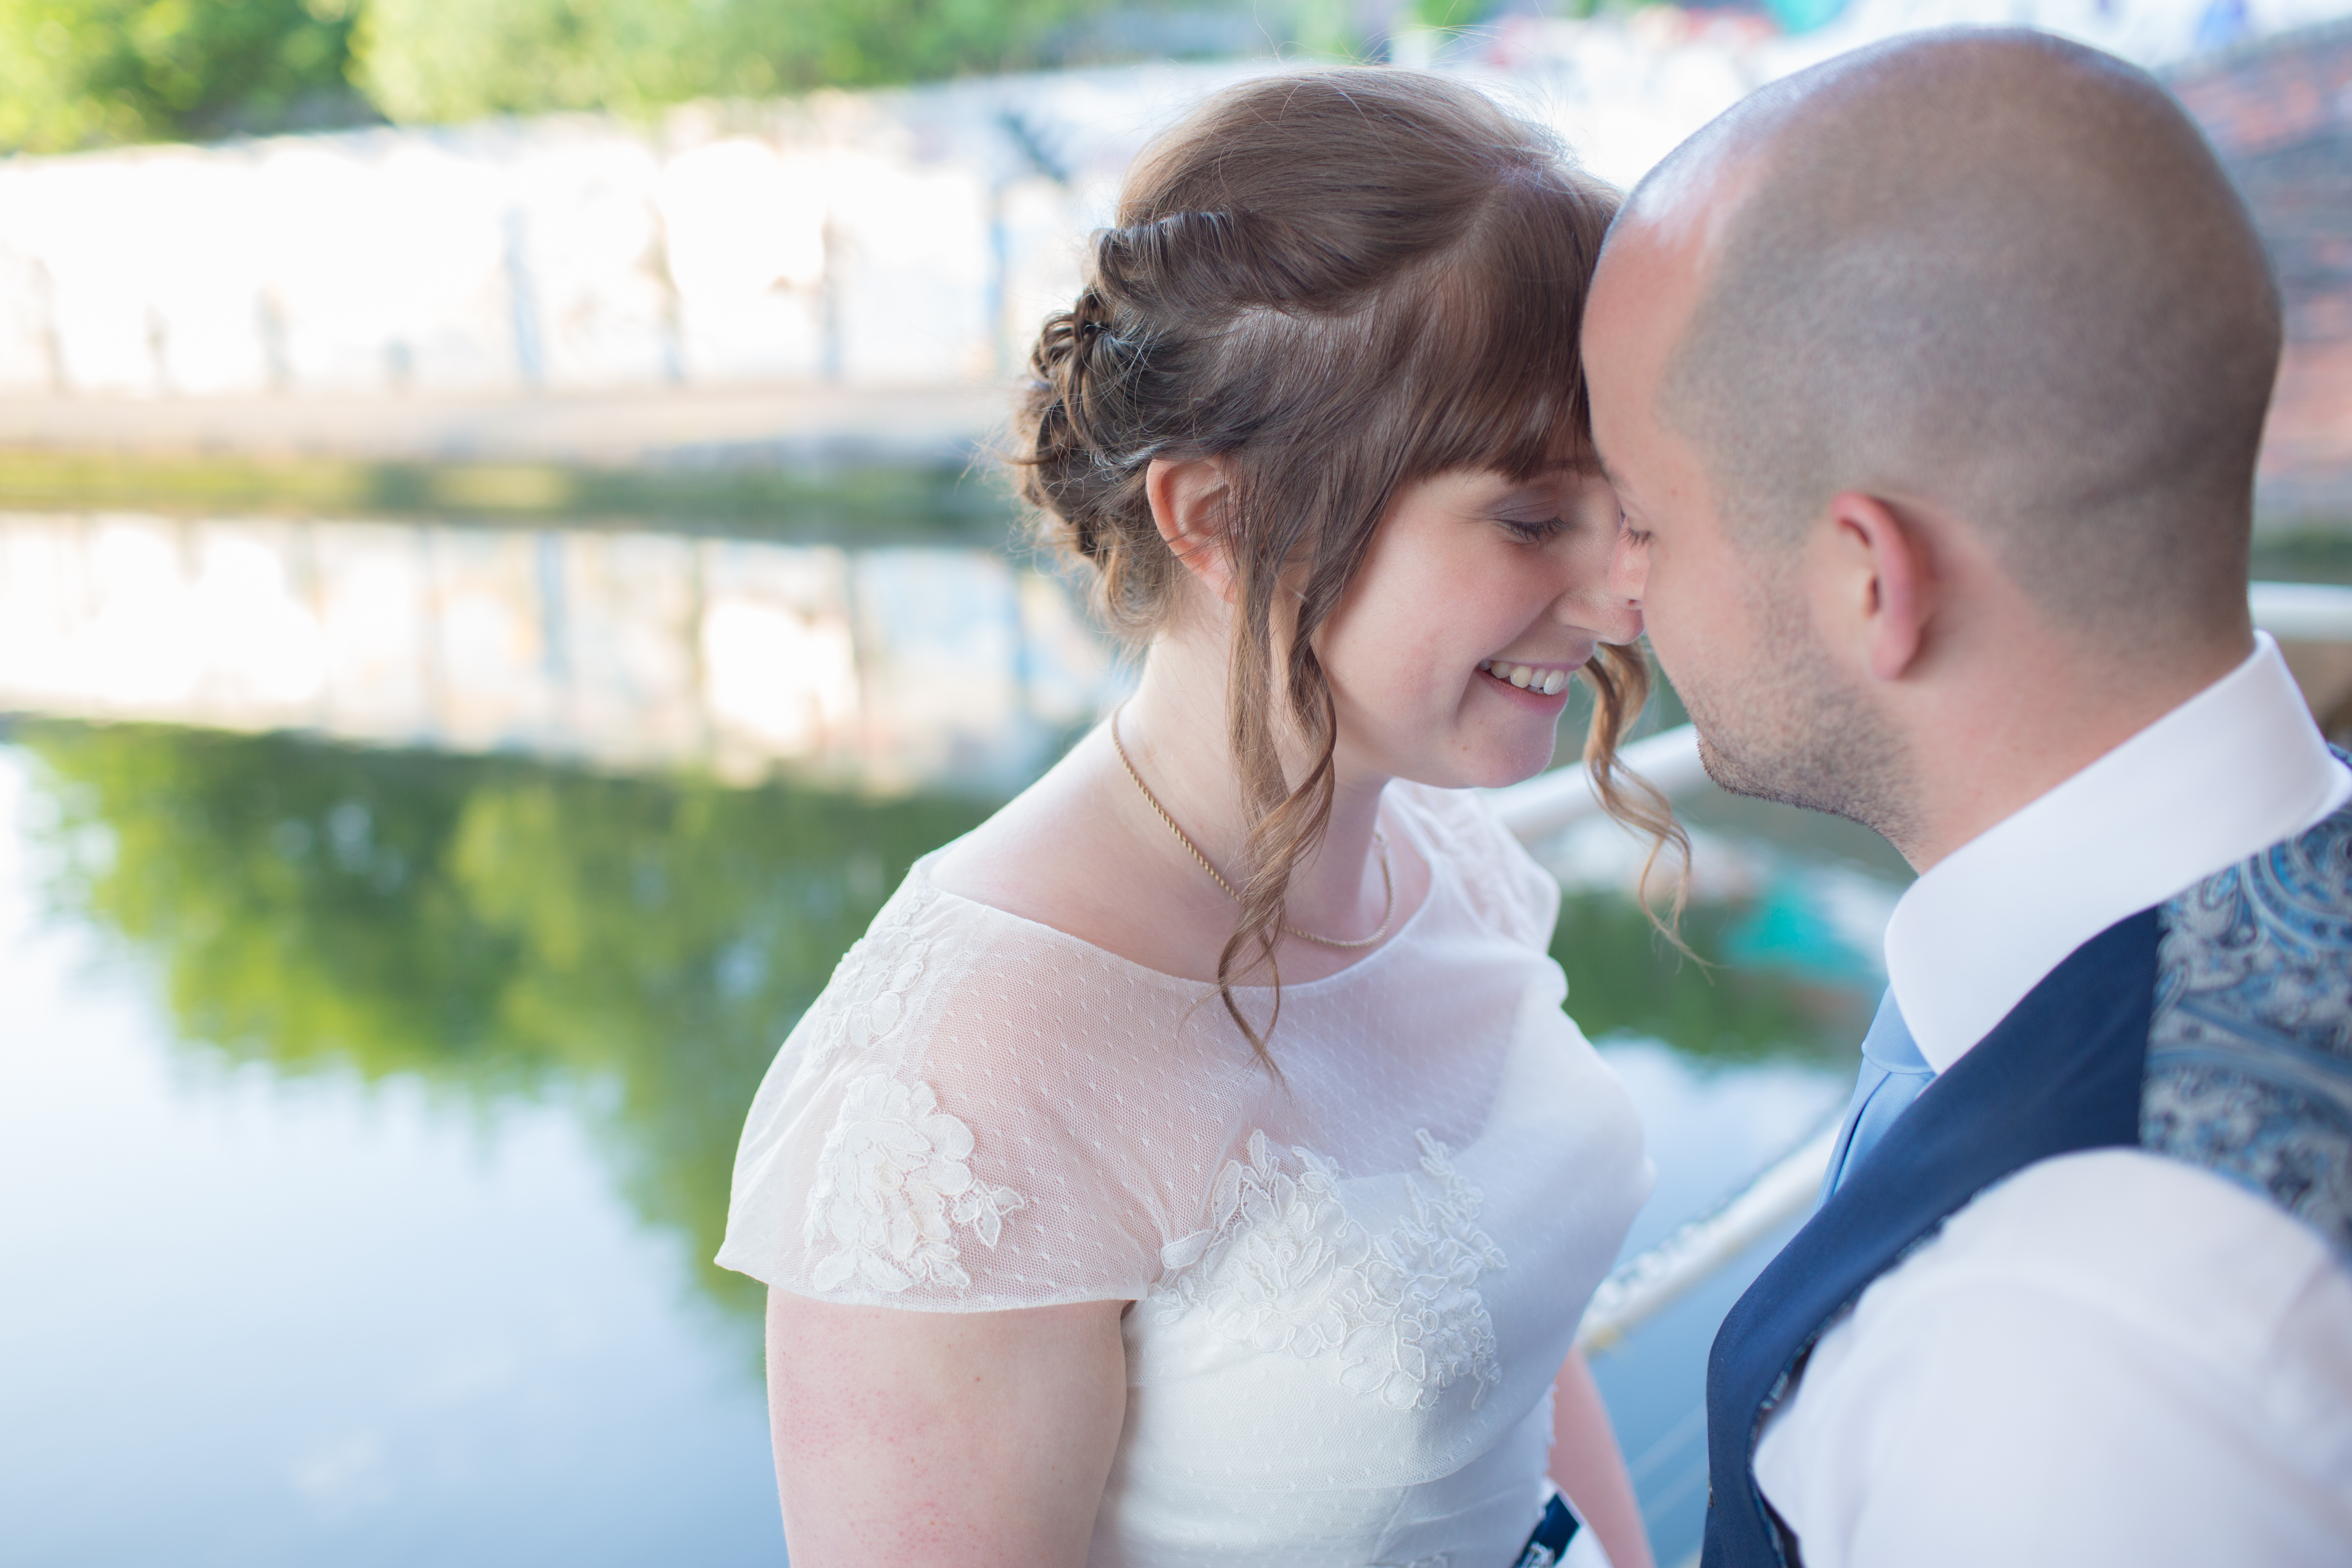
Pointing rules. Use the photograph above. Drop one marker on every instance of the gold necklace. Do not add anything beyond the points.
(1380, 842)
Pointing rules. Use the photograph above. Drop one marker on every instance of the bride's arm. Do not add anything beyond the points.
(1587, 1466)
(978, 1438)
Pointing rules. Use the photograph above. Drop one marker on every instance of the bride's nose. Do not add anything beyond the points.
(1609, 616)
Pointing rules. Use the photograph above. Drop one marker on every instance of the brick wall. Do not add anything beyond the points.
(2281, 114)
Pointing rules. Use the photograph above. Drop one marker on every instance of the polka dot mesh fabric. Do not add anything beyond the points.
(1352, 1287)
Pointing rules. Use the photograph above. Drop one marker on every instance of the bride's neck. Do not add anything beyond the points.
(1175, 732)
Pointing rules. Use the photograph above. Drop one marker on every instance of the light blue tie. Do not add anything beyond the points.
(1893, 1074)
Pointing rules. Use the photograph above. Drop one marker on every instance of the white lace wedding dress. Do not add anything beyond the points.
(1352, 1288)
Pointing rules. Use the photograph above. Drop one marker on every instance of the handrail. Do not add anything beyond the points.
(1658, 1277)
(1540, 806)
(2302, 611)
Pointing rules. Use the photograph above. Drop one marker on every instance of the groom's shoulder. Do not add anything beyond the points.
(2165, 1251)
(2148, 1362)
(2249, 1072)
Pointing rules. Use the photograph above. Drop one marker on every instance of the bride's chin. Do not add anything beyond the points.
(1496, 759)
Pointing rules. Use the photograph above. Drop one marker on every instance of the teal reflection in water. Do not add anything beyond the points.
(492, 925)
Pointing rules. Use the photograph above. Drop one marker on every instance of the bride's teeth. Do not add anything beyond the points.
(1521, 675)
(1552, 682)
(1486, 666)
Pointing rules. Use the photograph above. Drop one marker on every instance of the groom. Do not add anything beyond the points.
(1931, 381)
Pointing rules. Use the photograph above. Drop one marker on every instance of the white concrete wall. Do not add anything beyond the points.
(889, 238)
(881, 239)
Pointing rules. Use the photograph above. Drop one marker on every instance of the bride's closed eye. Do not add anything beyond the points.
(1534, 531)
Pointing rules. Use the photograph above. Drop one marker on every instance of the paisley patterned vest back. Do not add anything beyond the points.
(2215, 1029)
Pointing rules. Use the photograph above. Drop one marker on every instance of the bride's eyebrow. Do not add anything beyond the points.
(1540, 495)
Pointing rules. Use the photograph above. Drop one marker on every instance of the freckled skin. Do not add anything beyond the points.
(1446, 586)
(885, 1452)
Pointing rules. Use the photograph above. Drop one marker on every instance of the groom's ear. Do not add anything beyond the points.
(1885, 581)
(1191, 500)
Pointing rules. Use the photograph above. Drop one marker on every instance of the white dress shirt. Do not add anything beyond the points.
(2110, 1357)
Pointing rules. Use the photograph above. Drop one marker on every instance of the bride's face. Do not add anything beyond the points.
(1452, 653)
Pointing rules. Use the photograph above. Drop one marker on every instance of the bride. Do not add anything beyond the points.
(1194, 1165)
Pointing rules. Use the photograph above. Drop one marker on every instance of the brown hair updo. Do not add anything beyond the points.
(1338, 283)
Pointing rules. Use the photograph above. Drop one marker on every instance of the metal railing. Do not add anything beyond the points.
(1655, 1281)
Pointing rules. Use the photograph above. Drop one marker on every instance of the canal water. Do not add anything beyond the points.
(395, 917)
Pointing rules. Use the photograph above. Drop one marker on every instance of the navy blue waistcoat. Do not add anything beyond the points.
(2215, 1028)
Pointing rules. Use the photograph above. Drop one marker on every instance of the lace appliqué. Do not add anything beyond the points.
(893, 1181)
(2249, 1050)
(866, 997)
(1282, 1266)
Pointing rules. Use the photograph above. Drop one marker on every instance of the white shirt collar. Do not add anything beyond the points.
(2231, 772)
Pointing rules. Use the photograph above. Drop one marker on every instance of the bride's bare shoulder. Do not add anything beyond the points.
(1061, 854)
(1020, 858)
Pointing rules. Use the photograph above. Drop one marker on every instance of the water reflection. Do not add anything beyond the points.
(625, 800)
(888, 669)
(503, 925)
(494, 925)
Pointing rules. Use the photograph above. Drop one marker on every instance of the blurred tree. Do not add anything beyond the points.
(498, 926)
(85, 73)
(1624, 978)
(452, 59)
(1450, 13)
(494, 926)
(80, 73)
(299, 896)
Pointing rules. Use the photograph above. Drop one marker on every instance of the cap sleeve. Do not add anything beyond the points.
(1516, 896)
(931, 1135)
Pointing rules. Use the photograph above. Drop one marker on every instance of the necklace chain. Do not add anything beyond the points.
(1380, 842)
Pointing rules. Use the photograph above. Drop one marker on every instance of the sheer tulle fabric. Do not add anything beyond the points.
(1351, 1288)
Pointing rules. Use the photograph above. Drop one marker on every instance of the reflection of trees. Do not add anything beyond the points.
(1622, 977)
(501, 926)
(493, 925)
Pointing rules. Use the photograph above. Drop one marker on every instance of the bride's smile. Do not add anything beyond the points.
(1536, 680)
(1452, 655)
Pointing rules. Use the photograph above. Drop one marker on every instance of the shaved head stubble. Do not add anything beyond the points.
(1992, 275)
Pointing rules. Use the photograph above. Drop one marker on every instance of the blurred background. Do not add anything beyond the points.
(500, 573)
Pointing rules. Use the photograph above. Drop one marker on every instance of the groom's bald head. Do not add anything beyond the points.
(1988, 272)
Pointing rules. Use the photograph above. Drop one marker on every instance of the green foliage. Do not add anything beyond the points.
(866, 504)
(1449, 13)
(79, 73)
(492, 925)
(500, 927)
(425, 60)
(1327, 29)
(86, 73)
(1624, 978)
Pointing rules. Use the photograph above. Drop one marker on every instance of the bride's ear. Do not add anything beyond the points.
(1190, 499)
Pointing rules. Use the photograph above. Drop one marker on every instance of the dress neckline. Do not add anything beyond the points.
(1410, 819)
